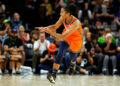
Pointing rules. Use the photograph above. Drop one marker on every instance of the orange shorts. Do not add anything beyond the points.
(75, 45)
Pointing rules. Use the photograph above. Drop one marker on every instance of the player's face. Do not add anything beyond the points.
(63, 13)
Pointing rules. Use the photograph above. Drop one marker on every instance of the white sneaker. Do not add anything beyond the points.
(18, 71)
(0, 71)
(104, 71)
(114, 71)
(33, 70)
(87, 73)
(13, 71)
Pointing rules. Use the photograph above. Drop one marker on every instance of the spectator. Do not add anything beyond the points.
(101, 39)
(4, 32)
(28, 47)
(86, 23)
(117, 21)
(16, 22)
(86, 63)
(98, 28)
(118, 46)
(6, 26)
(29, 11)
(85, 13)
(106, 13)
(80, 3)
(46, 12)
(63, 3)
(15, 61)
(22, 34)
(90, 51)
(117, 18)
(110, 53)
(98, 8)
(34, 36)
(51, 39)
(86, 30)
(79, 69)
(3, 36)
(39, 47)
(11, 43)
(2, 9)
(96, 53)
(47, 58)
(92, 4)
(2, 63)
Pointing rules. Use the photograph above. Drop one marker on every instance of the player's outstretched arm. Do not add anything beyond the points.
(51, 27)
(71, 29)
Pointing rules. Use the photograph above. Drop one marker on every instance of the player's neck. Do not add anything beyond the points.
(68, 19)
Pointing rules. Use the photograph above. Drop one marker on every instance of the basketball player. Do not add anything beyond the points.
(72, 38)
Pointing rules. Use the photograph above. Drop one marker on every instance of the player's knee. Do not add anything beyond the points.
(58, 60)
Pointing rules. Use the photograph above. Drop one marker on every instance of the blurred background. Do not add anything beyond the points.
(22, 46)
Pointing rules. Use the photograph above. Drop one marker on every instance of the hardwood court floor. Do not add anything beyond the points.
(62, 80)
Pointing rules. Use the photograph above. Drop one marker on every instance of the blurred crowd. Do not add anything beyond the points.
(22, 45)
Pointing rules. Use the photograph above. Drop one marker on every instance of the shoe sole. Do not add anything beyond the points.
(50, 79)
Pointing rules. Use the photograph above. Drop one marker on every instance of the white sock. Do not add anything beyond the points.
(0, 71)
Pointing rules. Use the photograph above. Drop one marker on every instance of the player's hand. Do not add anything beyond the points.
(47, 30)
(41, 29)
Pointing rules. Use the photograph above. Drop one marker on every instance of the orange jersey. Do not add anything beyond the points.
(75, 40)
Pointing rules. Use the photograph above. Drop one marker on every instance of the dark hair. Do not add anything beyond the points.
(34, 32)
(71, 8)
(93, 36)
